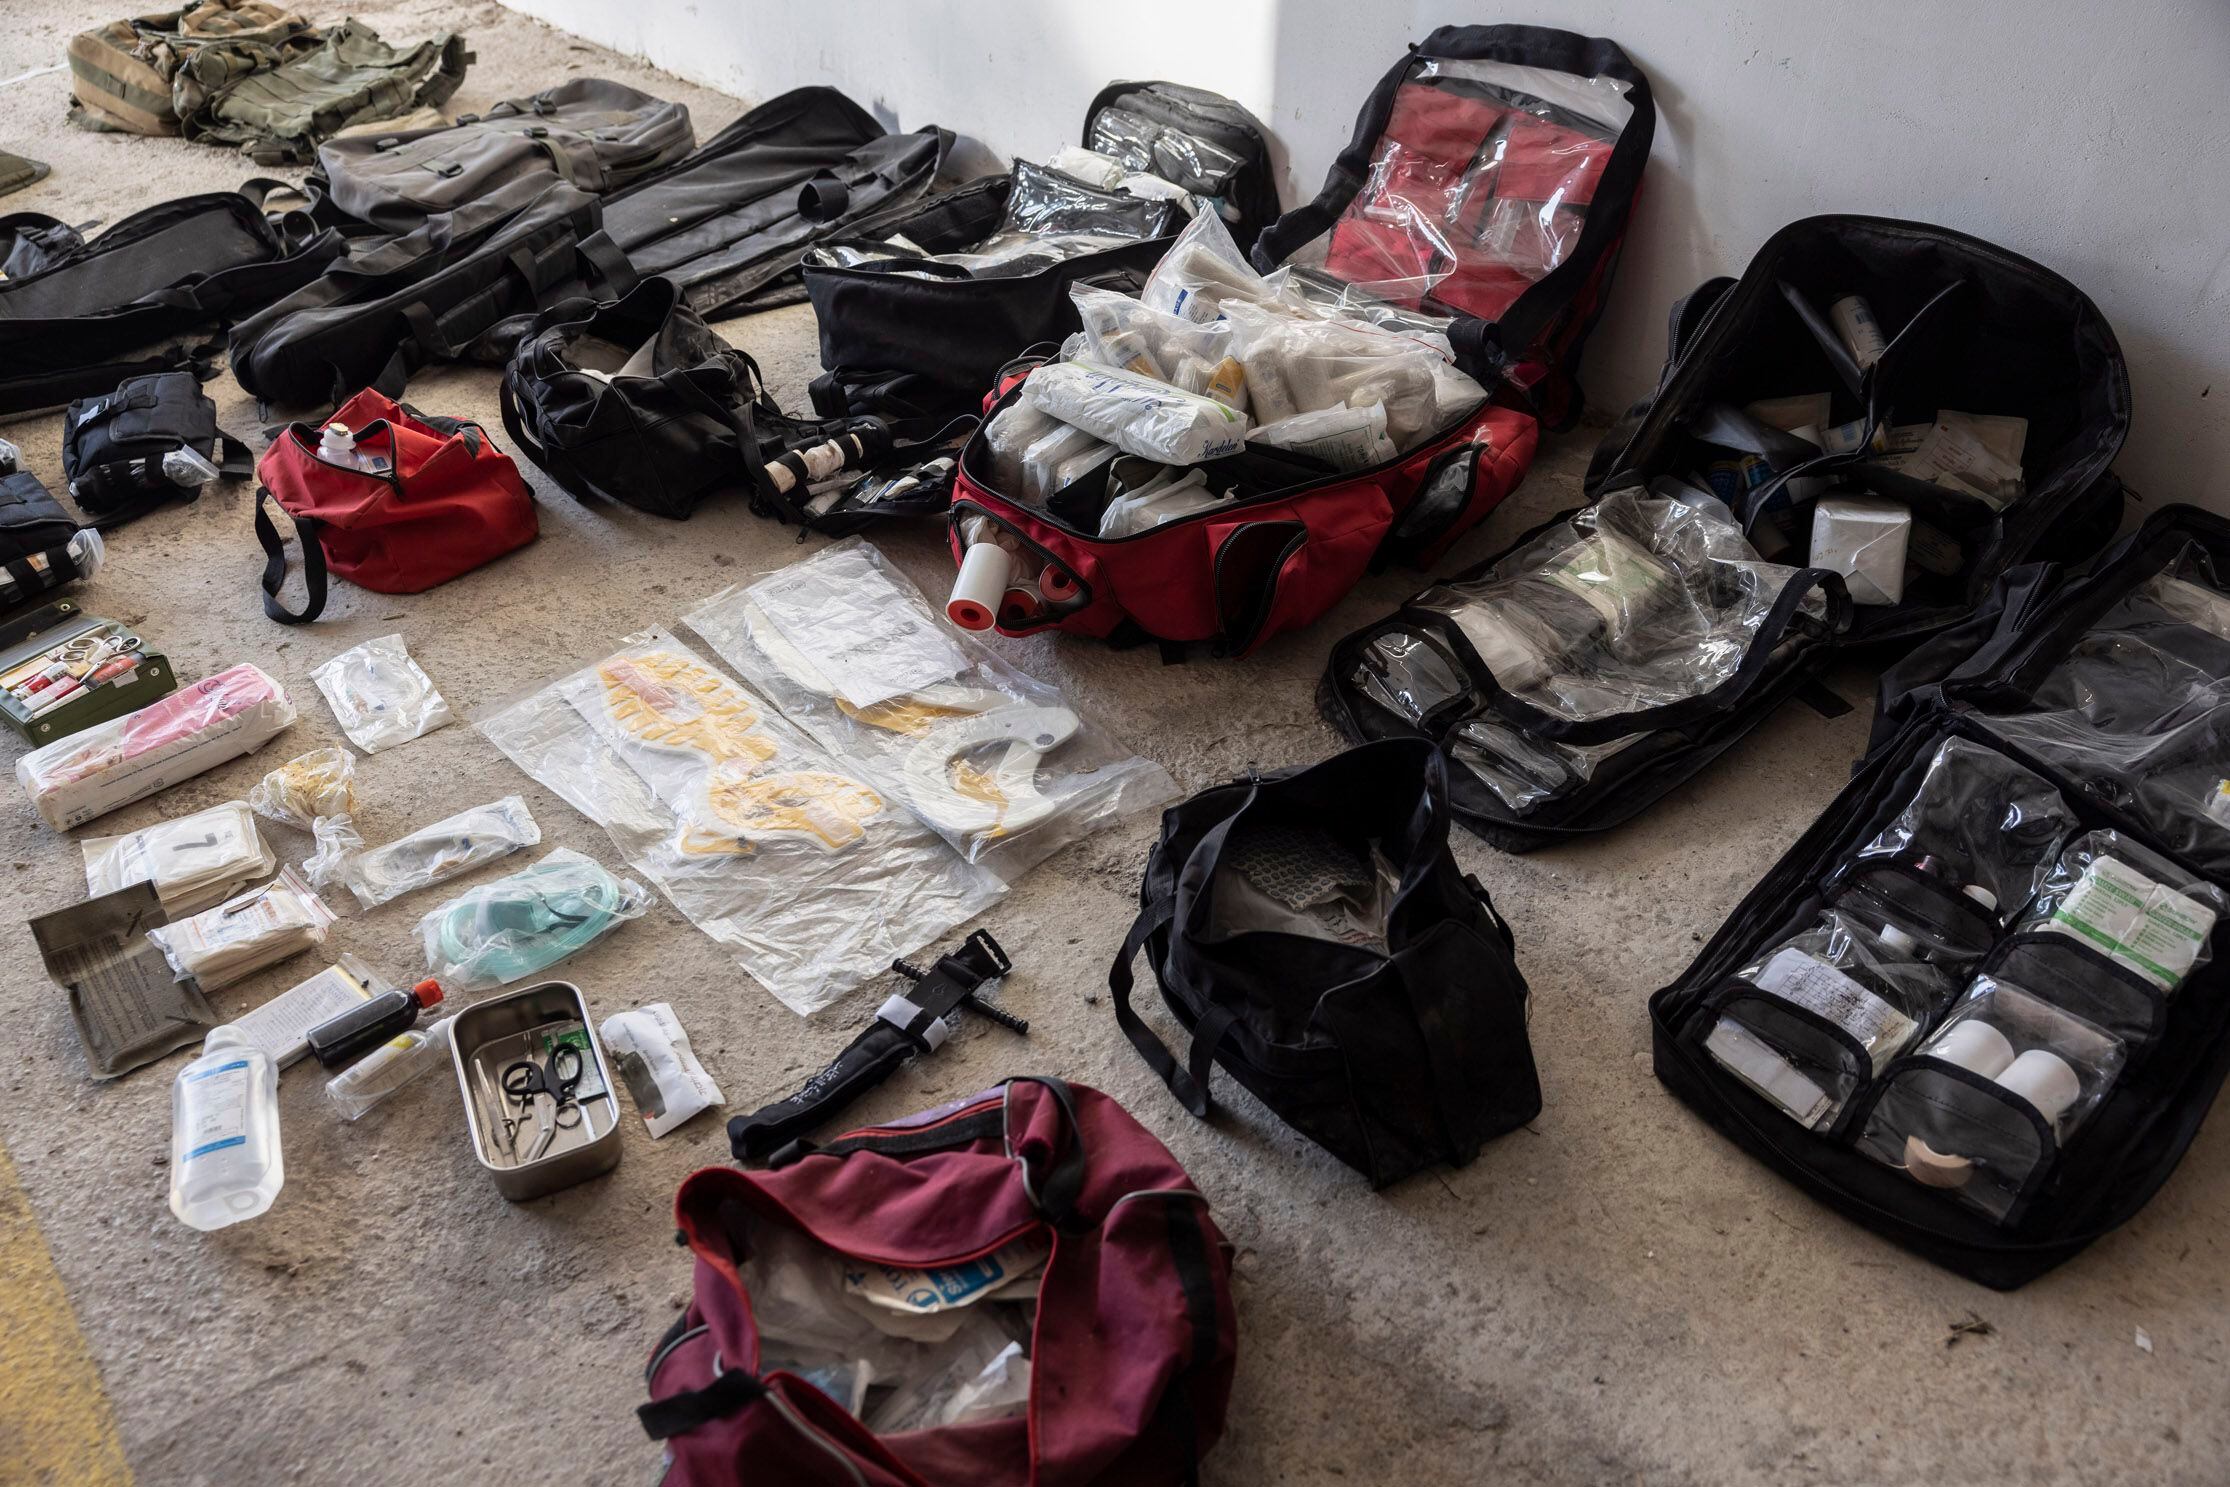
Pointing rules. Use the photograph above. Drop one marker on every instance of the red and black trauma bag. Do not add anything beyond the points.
(1238, 573)
(1491, 178)
(1131, 1357)
(447, 502)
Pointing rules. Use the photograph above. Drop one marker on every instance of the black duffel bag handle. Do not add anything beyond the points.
(274, 564)
(1721, 700)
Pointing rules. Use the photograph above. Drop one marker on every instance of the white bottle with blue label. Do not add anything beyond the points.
(224, 1137)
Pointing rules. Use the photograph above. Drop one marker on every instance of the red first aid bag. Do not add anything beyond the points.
(1130, 1351)
(440, 500)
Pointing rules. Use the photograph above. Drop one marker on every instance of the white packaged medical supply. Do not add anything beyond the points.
(1121, 332)
(2138, 923)
(193, 861)
(1864, 540)
(1174, 494)
(1976, 453)
(198, 727)
(1089, 166)
(225, 1161)
(1800, 411)
(243, 935)
(1009, 435)
(434, 854)
(1042, 461)
(1137, 414)
(281, 1026)
(658, 1066)
(380, 695)
(1344, 438)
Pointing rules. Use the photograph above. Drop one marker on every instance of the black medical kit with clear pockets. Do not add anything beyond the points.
(1604, 657)
(1915, 407)
(918, 336)
(1312, 935)
(1982, 1005)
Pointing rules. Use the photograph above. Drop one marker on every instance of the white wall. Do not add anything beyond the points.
(2092, 137)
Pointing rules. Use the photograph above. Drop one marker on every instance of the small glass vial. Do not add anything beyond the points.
(224, 1133)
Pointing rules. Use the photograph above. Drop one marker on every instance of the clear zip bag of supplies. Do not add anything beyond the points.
(812, 878)
(193, 861)
(527, 921)
(379, 695)
(244, 934)
(996, 762)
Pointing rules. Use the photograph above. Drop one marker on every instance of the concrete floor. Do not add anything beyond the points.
(1613, 1294)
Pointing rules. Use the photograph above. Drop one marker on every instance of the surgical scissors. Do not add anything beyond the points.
(548, 1087)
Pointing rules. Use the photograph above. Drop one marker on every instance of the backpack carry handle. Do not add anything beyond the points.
(274, 565)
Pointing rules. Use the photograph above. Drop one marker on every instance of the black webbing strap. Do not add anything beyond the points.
(678, 1414)
(1189, 1083)
(1060, 1188)
(613, 268)
(274, 565)
(985, 1125)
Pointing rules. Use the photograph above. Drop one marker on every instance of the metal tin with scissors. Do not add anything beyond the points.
(538, 1093)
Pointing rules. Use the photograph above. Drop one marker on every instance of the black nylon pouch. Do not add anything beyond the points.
(1390, 1032)
(113, 446)
(1969, 326)
(1980, 683)
(949, 335)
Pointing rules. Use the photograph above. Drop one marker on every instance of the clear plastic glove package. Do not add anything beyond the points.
(193, 861)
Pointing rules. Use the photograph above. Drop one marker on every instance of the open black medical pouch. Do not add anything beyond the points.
(922, 341)
(1490, 179)
(2076, 729)
(1583, 672)
(1312, 934)
(1967, 327)
(78, 315)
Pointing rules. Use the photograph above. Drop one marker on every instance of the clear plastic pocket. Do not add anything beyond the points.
(1816, 1016)
(2130, 906)
(1981, 1111)
(1969, 848)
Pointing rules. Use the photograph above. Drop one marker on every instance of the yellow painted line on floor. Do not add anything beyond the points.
(56, 1426)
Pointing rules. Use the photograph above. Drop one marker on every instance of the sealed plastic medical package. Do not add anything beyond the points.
(435, 854)
(999, 764)
(193, 861)
(196, 728)
(245, 934)
(1138, 415)
(765, 841)
(527, 921)
(380, 696)
(658, 1066)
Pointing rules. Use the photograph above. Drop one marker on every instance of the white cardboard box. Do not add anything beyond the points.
(1864, 540)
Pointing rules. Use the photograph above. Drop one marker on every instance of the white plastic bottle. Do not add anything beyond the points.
(389, 1067)
(338, 445)
(224, 1133)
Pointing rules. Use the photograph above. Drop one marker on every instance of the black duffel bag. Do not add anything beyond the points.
(154, 439)
(1312, 933)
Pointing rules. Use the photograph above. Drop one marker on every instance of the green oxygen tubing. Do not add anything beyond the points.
(526, 922)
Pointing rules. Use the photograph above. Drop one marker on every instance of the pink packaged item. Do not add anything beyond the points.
(199, 726)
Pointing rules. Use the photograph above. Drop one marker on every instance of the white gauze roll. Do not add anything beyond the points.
(1974, 1045)
(2045, 1080)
